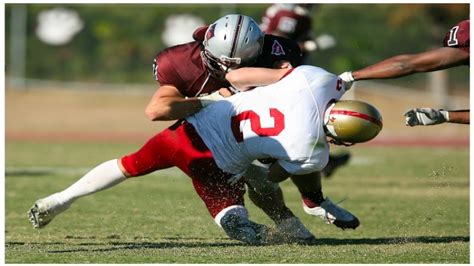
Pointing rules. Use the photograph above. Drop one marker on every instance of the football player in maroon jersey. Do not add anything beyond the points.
(190, 77)
(455, 52)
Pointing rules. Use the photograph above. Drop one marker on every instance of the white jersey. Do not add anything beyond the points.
(283, 121)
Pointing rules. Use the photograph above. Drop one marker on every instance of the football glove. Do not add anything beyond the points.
(425, 117)
(348, 79)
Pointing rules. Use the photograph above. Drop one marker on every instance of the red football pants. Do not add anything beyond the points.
(181, 146)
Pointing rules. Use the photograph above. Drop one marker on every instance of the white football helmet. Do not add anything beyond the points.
(350, 122)
(231, 42)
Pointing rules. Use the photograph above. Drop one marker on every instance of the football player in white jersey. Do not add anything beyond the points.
(288, 121)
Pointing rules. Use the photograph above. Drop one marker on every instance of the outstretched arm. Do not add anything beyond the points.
(460, 117)
(430, 116)
(403, 65)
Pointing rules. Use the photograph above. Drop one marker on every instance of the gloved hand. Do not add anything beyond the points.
(425, 117)
(348, 79)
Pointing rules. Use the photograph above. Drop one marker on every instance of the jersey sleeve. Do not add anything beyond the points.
(458, 36)
(198, 34)
(164, 70)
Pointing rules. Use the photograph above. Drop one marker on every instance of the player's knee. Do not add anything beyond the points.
(122, 167)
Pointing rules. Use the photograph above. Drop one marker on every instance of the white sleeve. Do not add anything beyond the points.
(299, 168)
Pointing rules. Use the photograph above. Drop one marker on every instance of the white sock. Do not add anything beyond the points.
(103, 176)
(238, 210)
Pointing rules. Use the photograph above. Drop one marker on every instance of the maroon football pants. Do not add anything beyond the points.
(181, 146)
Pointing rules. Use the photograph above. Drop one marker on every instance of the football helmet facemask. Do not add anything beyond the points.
(350, 122)
(231, 42)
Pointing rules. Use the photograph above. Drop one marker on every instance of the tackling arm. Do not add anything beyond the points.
(246, 78)
(169, 104)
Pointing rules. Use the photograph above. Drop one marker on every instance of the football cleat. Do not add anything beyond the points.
(293, 231)
(333, 214)
(335, 161)
(44, 210)
(242, 229)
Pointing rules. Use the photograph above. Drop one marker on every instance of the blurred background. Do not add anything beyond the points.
(82, 71)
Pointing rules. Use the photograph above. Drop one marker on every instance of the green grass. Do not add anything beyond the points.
(413, 204)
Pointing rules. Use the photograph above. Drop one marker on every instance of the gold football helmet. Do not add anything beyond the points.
(350, 122)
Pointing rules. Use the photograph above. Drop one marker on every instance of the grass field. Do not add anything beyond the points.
(413, 204)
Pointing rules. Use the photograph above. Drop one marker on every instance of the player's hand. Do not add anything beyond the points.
(348, 79)
(425, 117)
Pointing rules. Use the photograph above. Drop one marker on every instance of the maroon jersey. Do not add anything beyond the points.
(289, 20)
(182, 65)
(458, 36)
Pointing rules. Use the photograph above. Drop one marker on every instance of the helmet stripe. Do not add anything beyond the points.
(236, 36)
(357, 114)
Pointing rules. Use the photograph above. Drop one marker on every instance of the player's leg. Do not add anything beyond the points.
(154, 155)
(101, 177)
(225, 204)
(268, 197)
(335, 161)
(223, 199)
(265, 194)
(315, 204)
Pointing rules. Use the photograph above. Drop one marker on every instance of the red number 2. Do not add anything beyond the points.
(255, 124)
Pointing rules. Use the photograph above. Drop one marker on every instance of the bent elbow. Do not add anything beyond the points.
(150, 114)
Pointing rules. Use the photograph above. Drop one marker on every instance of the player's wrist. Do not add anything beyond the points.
(445, 114)
(347, 76)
